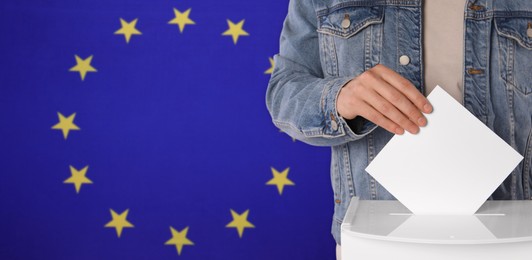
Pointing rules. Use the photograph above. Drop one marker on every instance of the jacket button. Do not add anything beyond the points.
(529, 32)
(334, 125)
(404, 60)
(346, 22)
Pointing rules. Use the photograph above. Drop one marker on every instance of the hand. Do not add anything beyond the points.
(385, 98)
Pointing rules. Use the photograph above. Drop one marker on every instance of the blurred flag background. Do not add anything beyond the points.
(138, 130)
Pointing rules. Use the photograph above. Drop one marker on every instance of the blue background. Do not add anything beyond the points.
(174, 128)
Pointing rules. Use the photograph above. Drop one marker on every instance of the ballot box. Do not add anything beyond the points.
(387, 230)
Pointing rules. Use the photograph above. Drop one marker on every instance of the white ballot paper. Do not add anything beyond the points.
(450, 167)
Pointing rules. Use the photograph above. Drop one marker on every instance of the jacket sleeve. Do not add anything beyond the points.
(301, 102)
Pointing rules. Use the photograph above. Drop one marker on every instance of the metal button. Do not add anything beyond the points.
(346, 22)
(404, 60)
(334, 125)
(529, 32)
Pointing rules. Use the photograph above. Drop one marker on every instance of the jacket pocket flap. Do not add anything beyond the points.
(518, 28)
(346, 22)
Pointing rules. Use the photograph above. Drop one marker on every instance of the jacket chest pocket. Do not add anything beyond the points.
(515, 51)
(350, 39)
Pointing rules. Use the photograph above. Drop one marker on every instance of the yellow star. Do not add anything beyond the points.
(66, 124)
(280, 179)
(270, 70)
(119, 221)
(83, 66)
(240, 222)
(78, 177)
(128, 29)
(179, 239)
(181, 19)
(235, 30)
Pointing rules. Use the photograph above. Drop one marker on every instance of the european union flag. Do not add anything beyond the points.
(138, 130)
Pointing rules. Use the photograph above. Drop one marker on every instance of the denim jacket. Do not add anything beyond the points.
(325, 43)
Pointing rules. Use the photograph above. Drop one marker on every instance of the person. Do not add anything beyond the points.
(352, 73)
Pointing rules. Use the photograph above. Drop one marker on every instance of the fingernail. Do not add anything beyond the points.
(399, 131)
(427, 108)
(421, 121)
(414, 131)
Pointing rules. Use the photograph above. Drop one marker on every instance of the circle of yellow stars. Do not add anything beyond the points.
(66, 124)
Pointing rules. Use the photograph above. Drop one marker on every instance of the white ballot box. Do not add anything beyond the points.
(387, 230)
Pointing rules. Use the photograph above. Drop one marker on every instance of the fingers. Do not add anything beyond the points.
(401, 102)
(385, 98)
(392, 103)
(371, 114)
(392, 112)
(405, 87)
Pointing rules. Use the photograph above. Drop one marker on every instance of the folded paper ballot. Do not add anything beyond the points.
(450, 167)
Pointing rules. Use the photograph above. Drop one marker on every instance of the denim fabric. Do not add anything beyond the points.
(319, 55)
